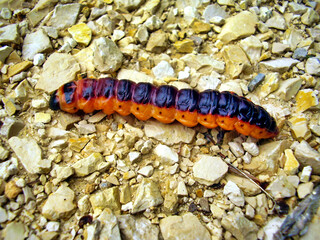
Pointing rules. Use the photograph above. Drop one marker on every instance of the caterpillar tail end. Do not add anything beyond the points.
(54, 101)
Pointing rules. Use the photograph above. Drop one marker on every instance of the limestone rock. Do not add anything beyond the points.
(307, 156)
(107, 198)
(64, 15)
(36, 42)
(289, 88)
(107, 57)
(252, 47)
(40, 10)
(186, 227)
(306, 98)
(14, 230)
(209, 170)
(203, 63)
(278, 65)
(147, 195)
(129, 225)
(9, 34)
(236, 60)
(133, 75)
(277, 21)
(239, 26)
(281, 188)
(184, 46)
(240, 227)
(169, 134)
(163, 70)
(234, 193)
(267, 161)
(310, 17)
(17, 68)
(214, 10)
(5, 52)
(304, 189)
(29, 154)
(299, 127)
(270, 84)
(248, 188)
(166, 154)
(60, 68)
(313, 66)
(59, 204)
(128, 4)
(85, 166)
(81, 33)
(11, 190)
(157, 42)
(291, 164)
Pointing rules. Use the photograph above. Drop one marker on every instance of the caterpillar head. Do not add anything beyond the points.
(54, 101)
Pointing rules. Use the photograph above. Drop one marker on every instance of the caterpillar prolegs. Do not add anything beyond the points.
(166, 103)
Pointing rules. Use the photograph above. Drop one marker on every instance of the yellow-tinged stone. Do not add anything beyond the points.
(291, 163)
(9, 106)
(17, 68)
(77, 144)
(265, 56)
(184, 46)
(299, 127)
(271, 83)
(81, 33)
(200, 27)
(305, 99)
(42, 117)
(108, 1)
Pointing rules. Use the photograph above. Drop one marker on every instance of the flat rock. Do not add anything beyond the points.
(313, 66)
(81, 33)
(9, 34)
(85, 166)
(185, 227)
(40, 10)
(209, 170)
(240, 227)
(307, 156)
(147, 195)
(278, 65)
(281, 188)
(14, 230)
(129, 224)
(203, 63)
(60, 68)
(36, 42)
(5, 52)
(244, 184)
(277, 22)
(252, 47)
(128, 4)
(157, 42)
(267, 161)
(134, 75)
(29, 153)
(166, 154)
(107, 57)
(163, 70)
(169, 134)
(214, 10)
(64, 15)
(239, 26)
(59, 204)
(234, 193)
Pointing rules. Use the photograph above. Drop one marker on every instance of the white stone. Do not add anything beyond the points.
(7, 169)
(251, 148)
(281, 188)
(182, 189)
(278, 65)
(64, 15)
(272, 227)
(29, 154)
(236, 148)
(313, 66)
(166, 154)
(34, 43)
(118, 34)
(85, 166)
(9, 34)
(146, 171)
(3, 215)
(134, 156)
(208, 82)
(39, 103)
(304, 189)
(305, 174)
(163, 70)
(53, 226)
(38, 59)
(307, 156)
(209, 170)
(234, 193)
(133, 75)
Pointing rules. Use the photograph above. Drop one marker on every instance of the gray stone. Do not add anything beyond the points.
(51, 32)
(5, 52)
(64, 15)
(187, 227)
(214, 10)
(36, 42)
(300, 53)
(9, 34)
(240, 227)
(307, 156)
(129, 225)
(313, 66)
(5, 13)
(40, 11)
(59, 204)
(277, 22)
(169, 134)
(310, 17)
(297, 8)
(256, 81)
(279, 48)
(107, 57)
(29, 154)
(3, 215)
(209, 170)
(142, 34)
(60, 68)
(278, 65)
(147, 195)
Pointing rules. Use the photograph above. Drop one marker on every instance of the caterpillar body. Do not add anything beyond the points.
(166, 103)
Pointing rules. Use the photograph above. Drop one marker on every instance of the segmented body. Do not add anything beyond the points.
(166, 104)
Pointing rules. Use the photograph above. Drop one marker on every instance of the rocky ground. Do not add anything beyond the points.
(94, 176)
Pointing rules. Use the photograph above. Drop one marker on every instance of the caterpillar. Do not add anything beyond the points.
(166, 103)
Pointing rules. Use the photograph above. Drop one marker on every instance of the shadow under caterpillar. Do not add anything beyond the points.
(166, 103)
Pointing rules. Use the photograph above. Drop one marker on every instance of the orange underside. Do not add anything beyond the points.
(144, 112)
